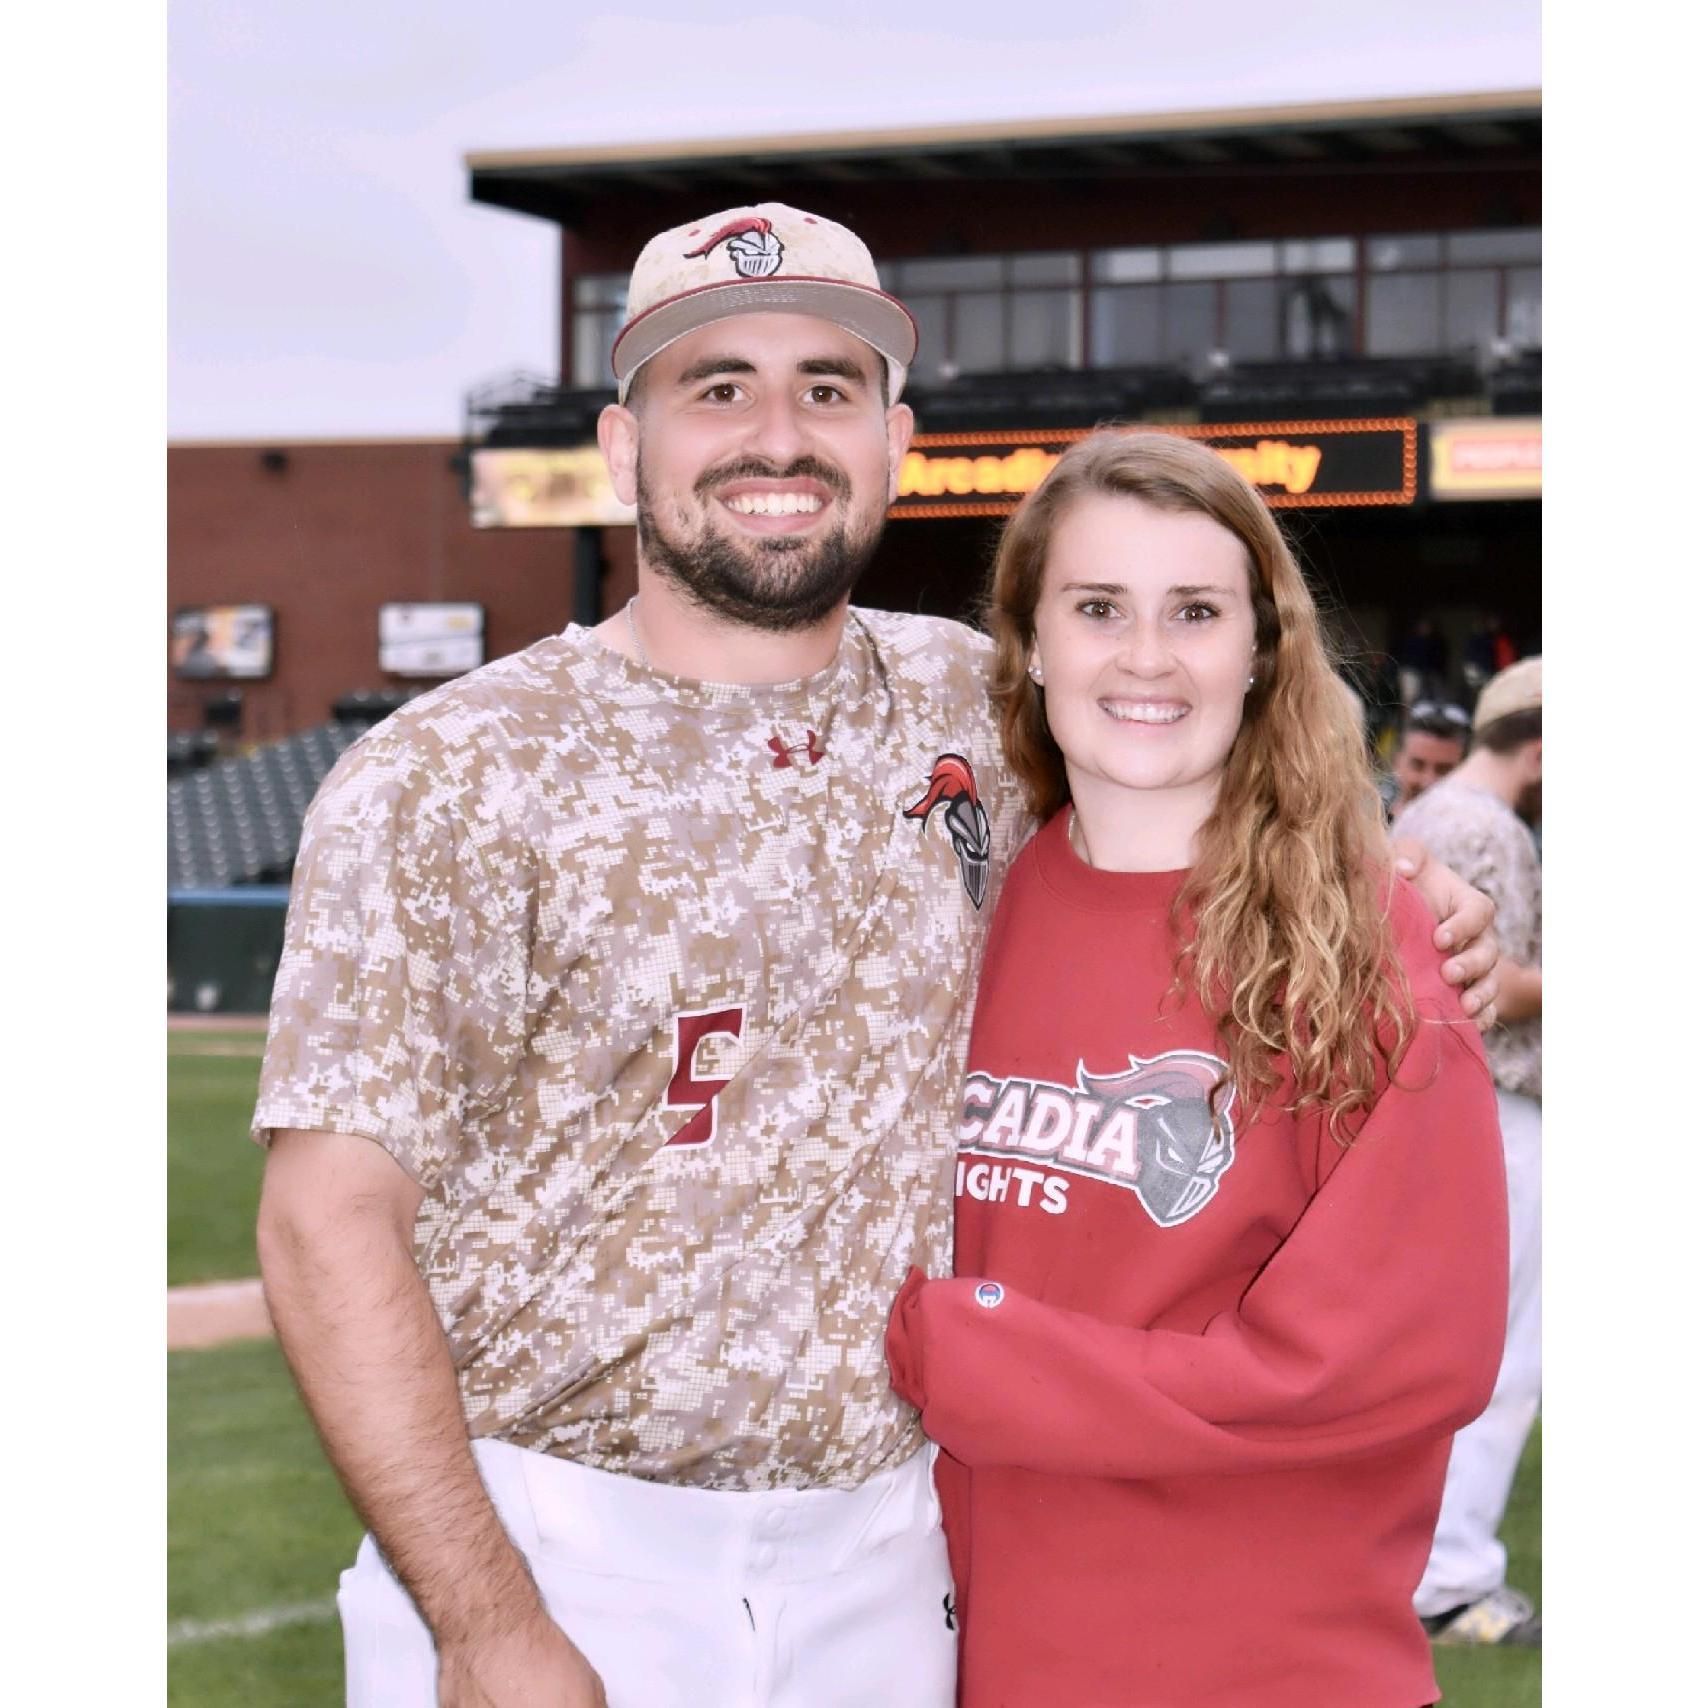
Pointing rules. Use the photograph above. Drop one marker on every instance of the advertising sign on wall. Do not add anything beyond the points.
(1292, 463)
(432, 639)
(556, 488)
(1497, 457)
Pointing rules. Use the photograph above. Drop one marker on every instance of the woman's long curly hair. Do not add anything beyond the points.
(1290, 952)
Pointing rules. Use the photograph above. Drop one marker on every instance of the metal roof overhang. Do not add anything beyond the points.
(571, 185)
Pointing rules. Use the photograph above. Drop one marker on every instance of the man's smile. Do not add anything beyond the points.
(774, 506)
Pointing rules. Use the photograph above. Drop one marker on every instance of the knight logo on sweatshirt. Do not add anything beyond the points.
(1161, 1127)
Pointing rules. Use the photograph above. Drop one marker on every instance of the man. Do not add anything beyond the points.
(616, 1059)
(1432, 743)
(1479, 820)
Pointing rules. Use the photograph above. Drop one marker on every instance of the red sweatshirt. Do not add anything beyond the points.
(1200, 1367)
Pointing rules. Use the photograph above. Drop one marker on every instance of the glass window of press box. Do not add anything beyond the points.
(600, 301)
(1296, 299)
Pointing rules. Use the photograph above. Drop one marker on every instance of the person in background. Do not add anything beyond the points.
(1422, 661)
(1229, 1234)
(1481, 819)
(1488, 650)
(1432, 741)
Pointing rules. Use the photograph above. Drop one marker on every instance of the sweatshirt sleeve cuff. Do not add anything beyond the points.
(904, 1342)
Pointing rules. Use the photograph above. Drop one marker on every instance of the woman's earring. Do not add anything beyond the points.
(1251, 682)
(1036, 672)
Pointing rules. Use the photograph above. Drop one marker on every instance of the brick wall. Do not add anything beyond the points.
(327, 539)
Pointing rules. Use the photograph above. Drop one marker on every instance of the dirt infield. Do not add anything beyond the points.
(216, 1022)
(213, 1312)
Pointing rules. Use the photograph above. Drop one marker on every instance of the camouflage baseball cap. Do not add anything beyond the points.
(768, 259)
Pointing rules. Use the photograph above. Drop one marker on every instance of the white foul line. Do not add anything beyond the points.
(249, 1624)
(213, 1312)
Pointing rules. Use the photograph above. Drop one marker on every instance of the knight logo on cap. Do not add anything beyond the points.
(754, 247)
(779, 261)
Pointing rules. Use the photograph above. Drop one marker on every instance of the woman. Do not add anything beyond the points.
(1230, 1231)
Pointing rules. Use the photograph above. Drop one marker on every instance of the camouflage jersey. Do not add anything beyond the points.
(661, 990)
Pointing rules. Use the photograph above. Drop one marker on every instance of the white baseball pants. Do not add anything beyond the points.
(1467, 1558)
(820, 1598)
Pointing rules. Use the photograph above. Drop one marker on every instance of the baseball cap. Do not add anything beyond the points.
(768, 259)
(1518, 688)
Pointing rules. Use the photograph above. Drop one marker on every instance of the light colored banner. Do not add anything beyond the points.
(1492, 457)
(567, 488)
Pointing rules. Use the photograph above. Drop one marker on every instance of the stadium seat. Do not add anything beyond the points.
(238, 820)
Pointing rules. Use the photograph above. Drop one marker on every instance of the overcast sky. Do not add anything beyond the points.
(329, 275)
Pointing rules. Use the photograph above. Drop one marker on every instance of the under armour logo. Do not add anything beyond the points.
(949, 1611)
(782, 749)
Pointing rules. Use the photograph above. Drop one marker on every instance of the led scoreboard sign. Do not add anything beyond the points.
(1294, 464)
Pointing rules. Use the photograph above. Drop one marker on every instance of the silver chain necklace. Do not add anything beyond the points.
(634, 632)
(815, 730)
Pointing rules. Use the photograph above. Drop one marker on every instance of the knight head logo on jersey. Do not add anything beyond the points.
(951, 787)
(754, 247)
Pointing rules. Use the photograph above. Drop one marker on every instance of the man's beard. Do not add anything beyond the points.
(782, 583)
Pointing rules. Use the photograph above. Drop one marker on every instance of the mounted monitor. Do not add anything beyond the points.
(222, 643)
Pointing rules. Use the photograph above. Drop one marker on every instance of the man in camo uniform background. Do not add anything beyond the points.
(616, 1052)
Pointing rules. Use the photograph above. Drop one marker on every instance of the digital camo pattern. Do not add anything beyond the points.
(540, 916)
(1486, 843)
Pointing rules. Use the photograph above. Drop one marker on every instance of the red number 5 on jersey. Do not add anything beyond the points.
(688, 1090)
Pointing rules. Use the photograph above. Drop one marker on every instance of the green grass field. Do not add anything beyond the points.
(213, 1172)
(1506, 1678)
(258, 1529)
